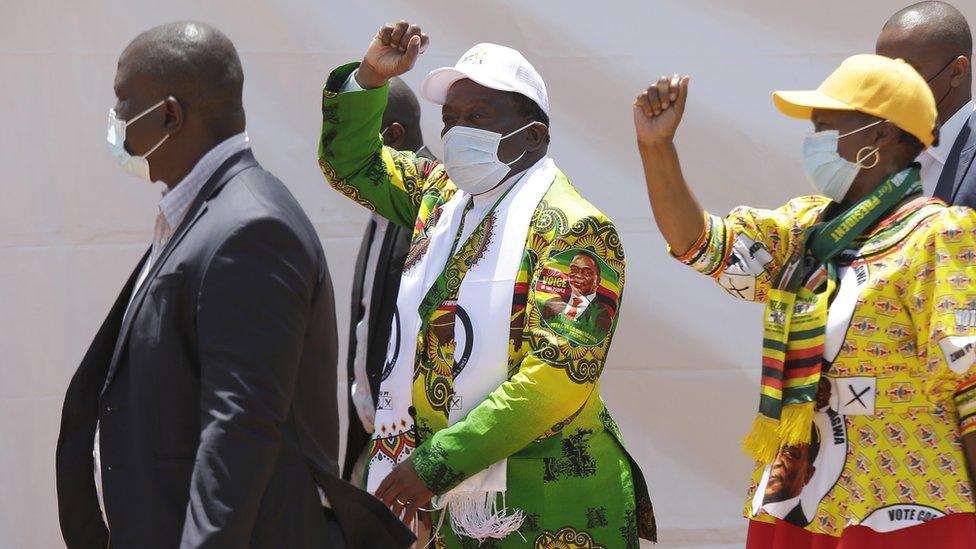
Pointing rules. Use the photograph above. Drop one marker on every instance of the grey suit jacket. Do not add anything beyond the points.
(216, 392)
(957, 184)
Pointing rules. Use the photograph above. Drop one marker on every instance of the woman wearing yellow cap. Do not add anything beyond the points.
(866, 429)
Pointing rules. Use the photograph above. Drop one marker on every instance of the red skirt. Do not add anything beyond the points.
(956, 531)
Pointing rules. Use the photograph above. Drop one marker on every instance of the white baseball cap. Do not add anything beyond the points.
(492, 66)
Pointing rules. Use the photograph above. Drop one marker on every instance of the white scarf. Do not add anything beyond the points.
(485, 296)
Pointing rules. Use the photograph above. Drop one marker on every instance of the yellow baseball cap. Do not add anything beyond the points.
(873, 84)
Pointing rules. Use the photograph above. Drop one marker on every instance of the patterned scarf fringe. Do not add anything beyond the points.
(476, 515)
(794, 426)
(768, 436)
(762, 441)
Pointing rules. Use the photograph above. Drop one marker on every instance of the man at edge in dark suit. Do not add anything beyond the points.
(204, 412)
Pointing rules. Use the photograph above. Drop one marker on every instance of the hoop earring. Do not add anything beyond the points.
(877, 157)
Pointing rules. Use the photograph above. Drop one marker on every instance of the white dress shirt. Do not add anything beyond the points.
(173, 207)
(933, 159)
(584, 303)
(362, 396)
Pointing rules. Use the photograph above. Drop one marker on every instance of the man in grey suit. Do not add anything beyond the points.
(204, 412)
(935, 38)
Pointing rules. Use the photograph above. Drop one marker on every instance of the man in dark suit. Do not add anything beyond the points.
(204, 412)
(935, 38)
(375, 285)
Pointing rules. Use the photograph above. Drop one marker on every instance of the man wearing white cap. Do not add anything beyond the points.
(489, 412)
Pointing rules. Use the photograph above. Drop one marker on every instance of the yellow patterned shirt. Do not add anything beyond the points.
(886, 449)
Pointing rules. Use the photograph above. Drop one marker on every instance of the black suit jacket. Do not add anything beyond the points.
(386, 284)
(216, 392)
(957, 184)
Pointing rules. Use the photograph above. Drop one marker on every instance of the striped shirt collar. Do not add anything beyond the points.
(176, 201)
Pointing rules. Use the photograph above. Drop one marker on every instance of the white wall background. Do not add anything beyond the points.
(683, 373)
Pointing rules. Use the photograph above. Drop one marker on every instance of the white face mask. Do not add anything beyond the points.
(471, 158)
(135, 165)
(830, 173)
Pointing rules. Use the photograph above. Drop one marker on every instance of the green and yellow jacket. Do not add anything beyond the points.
(567, 469)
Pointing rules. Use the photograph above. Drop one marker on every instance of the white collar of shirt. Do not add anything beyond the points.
(587, 298)
(585, 301)
(949, 132)
(176, 201)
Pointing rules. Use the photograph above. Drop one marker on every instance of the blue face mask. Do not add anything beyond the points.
(830, 173)
(135, 165)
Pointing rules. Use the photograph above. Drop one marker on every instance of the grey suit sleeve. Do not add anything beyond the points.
(252, 312)
(967, 189)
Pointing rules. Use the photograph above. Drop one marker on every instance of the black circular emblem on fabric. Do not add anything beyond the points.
(392, 354)
(461, 359)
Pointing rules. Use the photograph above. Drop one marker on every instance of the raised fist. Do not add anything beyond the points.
(392, 52)
(658, 111)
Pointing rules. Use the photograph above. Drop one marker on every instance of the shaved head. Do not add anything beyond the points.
(933, 37)
(186, 81)
(938, 23)
(192, 61)
(403, 108)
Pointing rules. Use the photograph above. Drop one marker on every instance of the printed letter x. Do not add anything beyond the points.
(857, 395)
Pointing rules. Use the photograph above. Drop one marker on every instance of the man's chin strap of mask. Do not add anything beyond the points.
(517, 158)
(938, 74)
(137, 165)
(510, 134)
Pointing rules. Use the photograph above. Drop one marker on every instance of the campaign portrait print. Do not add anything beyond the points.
(577, 294)
(795, 482)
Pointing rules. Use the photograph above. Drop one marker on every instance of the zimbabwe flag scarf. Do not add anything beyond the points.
(795, 320)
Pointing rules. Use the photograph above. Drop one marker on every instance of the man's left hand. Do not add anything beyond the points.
(403, 490)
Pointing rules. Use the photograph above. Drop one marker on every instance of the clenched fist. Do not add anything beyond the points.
(658, 111)
(392, 52)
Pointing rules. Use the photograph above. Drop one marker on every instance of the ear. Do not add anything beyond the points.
(810, 472)
(394, 135)
(960, 72)
(535, 136)
(174, 115)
